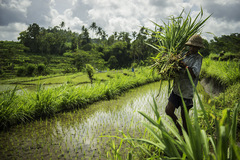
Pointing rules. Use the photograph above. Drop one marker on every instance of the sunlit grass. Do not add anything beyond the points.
(226, 72)
(55, 80)
(229, 98)
(28, 79)
(48, 101)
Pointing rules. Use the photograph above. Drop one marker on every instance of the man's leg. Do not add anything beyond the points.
(184, 118)
(170, 108)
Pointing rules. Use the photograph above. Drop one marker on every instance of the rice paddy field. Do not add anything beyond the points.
(67, 135)
(83, 133)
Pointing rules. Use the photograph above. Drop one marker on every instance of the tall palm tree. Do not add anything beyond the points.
(93, 27)
(99, 32)
(120, 36)
(126, 37)
(83, 28)
(134, 35)
(62, 24)
(104, 35)
(115, 35)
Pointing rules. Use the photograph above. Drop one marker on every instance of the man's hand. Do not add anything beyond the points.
(182, 64)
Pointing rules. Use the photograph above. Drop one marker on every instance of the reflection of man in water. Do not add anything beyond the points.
(192, 61)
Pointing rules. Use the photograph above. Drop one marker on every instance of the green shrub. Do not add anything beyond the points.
(141, 63)
(87, 47)
(30, 69)
(90, 71)
(1, 72)
(21, 71)
(69, 69)
(68, 54)
(41, 68)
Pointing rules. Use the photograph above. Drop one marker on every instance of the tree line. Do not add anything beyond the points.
(226, 43)
(115, 51)
(118, 50)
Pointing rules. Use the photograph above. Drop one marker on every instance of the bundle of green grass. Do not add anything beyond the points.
(171, 39)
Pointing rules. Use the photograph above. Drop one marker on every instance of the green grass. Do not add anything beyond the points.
(228, 98)
(18, 80)
(225, 72)
(15, 108)
(61, 79)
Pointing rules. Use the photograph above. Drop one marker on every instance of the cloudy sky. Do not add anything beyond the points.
(114, 15)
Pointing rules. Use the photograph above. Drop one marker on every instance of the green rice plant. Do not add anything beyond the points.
(13, 109)
(171, 41)
(114, 153)
(196, 144)
(44, 101)
(6, 109)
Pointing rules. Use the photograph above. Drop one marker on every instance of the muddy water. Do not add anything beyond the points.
(83, 133)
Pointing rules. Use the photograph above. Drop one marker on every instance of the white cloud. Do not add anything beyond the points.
(224, 2)
(218, 28)
(122, 24)
(72, 22)
(20, 5)
(122, 15)
(229, 10)
(11, 32)
(113, 15)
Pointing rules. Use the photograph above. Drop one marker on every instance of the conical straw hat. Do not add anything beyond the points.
(195, 40)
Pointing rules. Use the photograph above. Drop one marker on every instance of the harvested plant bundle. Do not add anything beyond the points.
(171, 39)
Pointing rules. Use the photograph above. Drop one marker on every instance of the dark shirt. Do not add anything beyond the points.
(193, 61)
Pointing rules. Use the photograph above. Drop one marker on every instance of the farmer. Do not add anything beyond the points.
(193, 61)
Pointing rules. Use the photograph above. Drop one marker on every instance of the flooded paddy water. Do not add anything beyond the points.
(83, 133)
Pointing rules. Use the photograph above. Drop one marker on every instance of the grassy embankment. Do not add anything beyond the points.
(16, 108)
(226, 74)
